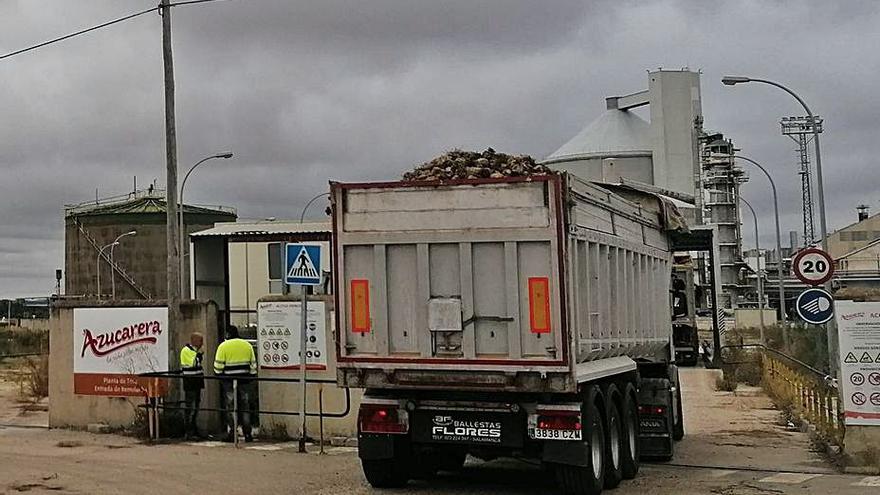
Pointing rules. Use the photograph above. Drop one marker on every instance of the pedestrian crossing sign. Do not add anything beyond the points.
(302, 264)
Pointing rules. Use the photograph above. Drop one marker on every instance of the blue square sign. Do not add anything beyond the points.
(302, 264)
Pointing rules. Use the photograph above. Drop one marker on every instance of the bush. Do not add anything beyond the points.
(726, 382)
(808, 343)
(35, 379)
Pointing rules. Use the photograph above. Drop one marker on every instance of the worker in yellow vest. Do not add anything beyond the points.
(235, 360)
(193, 382)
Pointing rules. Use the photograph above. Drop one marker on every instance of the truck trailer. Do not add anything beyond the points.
(523, 317)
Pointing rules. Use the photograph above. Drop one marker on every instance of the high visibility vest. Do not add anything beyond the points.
(191, 361)
(235, 357)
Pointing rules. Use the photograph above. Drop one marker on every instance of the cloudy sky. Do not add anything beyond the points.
(307, 91)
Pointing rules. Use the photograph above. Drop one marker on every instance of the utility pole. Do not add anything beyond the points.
(171, 227)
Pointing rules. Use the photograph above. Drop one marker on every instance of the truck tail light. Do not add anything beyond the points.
(382, 418)
(559, 420)
(652, 410)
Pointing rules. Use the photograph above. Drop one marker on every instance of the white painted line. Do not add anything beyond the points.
(206, 444)
(267, 448)
(341, 450)
(720, 473)
(789, 478)
(869, 481)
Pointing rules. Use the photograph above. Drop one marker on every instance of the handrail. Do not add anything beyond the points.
(152, 405)
(819, 373)
(809, 393)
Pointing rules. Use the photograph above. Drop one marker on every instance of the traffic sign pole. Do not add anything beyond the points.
(303, 267)
(302, 364)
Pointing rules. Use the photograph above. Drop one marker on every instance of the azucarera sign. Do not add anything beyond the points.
(112, 345)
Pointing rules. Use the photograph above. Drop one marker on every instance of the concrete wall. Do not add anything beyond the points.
(751, 318)
(67, 409)
(286, 396)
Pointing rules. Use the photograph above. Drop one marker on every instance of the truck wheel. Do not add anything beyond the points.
(678, 425)
(385, 473)
(615, 438)
(630, 451)
(587, 480)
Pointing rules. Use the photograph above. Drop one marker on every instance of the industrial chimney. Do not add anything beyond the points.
(863, 212)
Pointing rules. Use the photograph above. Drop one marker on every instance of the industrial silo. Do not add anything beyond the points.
(136, 267)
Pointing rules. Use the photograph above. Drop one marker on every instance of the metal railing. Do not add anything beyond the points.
(810, 394)
(155, 401)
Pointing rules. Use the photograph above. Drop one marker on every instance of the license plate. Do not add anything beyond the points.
(540, 434)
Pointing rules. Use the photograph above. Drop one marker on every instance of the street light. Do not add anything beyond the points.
(732, 80)
(779, 271)
(302, 216)
(760, 280)
(180, 224)
(113, 264)
(98, 263)
(820, 189)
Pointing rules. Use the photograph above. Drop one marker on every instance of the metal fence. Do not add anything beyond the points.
(809, 393)
(155, 401)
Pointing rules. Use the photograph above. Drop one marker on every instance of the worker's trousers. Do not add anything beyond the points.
(245, 396)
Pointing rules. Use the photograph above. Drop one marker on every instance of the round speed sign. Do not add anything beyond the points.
(813, 266)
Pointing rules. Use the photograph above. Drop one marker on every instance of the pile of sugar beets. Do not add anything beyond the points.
(459, 164)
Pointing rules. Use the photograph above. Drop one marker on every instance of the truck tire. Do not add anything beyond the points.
(590, 479)
(678, 425)
(630, 452)
(614, 437)
(386, 473)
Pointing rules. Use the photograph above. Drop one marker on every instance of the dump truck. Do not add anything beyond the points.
(684, 318)
(524, 317)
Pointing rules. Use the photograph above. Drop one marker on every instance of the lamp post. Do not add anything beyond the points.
(732, 80)
(180, 224)
(98, 264)
(760, 280)
(779, 271)
(113, 264)
(302, 216)
(831, 326)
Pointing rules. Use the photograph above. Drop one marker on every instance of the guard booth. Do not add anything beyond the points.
(240, 266)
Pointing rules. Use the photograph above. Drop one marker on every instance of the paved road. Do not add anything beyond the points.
(736, 445)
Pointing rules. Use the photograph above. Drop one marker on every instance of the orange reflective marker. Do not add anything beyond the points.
(539, 304)
(360, 306)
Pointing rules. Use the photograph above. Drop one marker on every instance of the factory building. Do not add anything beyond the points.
(672, 155)
(136, 267)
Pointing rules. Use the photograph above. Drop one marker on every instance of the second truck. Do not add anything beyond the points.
(524, 317)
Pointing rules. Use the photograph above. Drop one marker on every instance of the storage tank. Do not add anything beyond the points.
(616, 145)
(138, 269)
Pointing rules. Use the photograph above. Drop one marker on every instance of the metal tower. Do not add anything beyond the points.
(800, 130)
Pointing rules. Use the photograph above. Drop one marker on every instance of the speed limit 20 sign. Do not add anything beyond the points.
(813, 266)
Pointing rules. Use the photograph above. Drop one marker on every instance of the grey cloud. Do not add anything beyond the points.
(305, 92)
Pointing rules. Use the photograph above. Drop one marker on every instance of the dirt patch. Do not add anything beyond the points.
(754, 433)
(26, 487)
(68, 444)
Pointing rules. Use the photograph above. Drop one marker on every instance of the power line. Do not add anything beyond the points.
(99, 26)
(84, 31)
